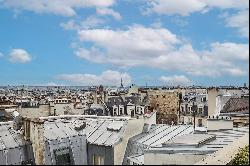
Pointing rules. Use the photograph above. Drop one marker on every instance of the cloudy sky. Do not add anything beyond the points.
(92, 42)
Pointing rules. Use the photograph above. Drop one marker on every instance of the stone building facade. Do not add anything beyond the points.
(166, 103)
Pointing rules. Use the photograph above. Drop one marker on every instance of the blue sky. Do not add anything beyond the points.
(161, 42)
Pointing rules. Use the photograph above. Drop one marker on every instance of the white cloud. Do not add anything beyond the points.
(107, 11)
(185, 8)
(136, 38)
(52, 84)
(235, 72)
(170, 7)
(229, 51)
(59, 7)
(239, 21)
(159, 48)
(108, 77)
(89, 22)
(19, 56)
(48, 84)
(70, 25)
(176, 80)
(228, 4)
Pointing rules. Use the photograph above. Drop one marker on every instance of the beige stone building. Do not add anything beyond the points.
(166, 103)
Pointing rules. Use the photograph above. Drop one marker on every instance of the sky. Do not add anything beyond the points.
(153, 42)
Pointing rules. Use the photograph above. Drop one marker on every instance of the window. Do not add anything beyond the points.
(204, 99)
(182, 120)
(138, 110)
(115, 111)
(142, 111)
(63, 156)
(190, 120)
(200, 110)
(190, 109)
(200, 122)
(98, 160)
(121, 111)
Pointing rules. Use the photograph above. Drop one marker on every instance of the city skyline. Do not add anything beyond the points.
(158, 42)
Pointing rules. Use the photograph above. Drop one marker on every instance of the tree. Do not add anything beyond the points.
(242, 157)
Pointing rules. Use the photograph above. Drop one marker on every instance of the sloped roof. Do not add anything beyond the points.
(106, 132)
(13, 146)
(115, 101)
(236, 105)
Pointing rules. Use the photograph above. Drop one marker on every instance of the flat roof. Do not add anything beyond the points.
(223, 139)
(190, 139)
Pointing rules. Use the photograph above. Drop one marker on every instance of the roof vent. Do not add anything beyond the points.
(80, 127)
(146, 128)
(115, 126)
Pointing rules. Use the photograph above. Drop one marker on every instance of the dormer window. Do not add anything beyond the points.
(121, 110)
(138, 110)
(115, 111)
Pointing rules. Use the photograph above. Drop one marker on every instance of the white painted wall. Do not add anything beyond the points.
(171, 159)
(219, 124)
(150, 120)
(134, 127)
(41, 111)
(186, 119)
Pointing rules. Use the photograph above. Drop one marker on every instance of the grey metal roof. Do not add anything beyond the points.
(180, 139)
(223, 138)
(7, 139)
(156, 135)
(105, 132)
(61, 128)
(189, 140)
(13, 149)
(115, 101)
(161, 133)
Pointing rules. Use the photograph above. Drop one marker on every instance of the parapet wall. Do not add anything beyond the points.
(219, 123)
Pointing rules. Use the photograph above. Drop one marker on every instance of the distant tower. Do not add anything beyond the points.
(121, 83)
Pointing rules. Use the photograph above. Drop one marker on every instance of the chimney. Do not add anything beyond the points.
(212, 94)
(34, 132)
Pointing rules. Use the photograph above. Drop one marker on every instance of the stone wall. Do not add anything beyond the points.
(166, 104)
